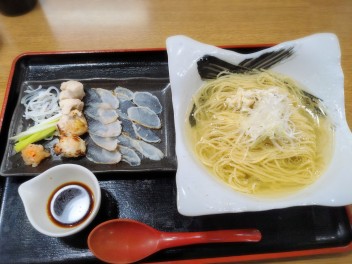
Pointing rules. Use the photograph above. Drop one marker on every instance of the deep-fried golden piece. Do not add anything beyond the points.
(73, 124)
(70, 146)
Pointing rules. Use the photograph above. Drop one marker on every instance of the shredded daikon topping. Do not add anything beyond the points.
(268, 112)
(40, 104)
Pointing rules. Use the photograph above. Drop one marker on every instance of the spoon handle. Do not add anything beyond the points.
(171, 239)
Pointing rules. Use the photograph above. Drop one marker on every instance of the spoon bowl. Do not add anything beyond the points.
(126, 241)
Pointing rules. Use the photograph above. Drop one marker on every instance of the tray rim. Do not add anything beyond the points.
(238, 258)
(277, 255)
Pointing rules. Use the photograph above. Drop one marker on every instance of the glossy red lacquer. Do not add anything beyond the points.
(126, 241)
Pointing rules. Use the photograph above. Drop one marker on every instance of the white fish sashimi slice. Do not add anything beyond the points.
(124, 106)
(130, 156)
(100, 113)
(145, 134)
(99, 155)
(144, 116)
(104, 130)
(127, 128)
(146, 99)
(91, 97)
(123, 94)
(93, 108)
(108, 97)
(125, 141)
(121, 114)
(146, 149)
(108, 143)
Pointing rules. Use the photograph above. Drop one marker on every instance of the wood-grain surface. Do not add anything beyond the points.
(119, 24)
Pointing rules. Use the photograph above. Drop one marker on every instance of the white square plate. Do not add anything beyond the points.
(316, 65)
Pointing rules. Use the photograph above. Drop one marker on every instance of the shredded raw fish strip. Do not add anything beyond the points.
(40, 103)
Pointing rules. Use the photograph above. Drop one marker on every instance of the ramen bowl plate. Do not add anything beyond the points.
(316, 65)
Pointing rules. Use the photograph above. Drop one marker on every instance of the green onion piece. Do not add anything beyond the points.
(30, 132)
(50, 122)
(34, 138)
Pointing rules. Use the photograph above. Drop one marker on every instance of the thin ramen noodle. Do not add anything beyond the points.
(260, 132)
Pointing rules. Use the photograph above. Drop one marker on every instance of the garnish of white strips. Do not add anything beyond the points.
(40, 104)
(268, 115)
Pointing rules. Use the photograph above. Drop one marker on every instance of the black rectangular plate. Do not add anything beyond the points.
(148, 195)
(147, 75)
(13, 165)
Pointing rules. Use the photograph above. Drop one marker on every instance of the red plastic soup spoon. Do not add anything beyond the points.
(126, 241)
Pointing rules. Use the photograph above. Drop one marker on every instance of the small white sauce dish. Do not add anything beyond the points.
(37, 193)
(316, 64)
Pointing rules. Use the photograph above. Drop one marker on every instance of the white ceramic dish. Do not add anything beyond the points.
(36, 193)
(316, 65)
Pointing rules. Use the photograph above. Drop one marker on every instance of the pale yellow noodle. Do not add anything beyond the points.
(267, 164)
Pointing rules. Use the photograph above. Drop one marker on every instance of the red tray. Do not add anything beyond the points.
(148, 195)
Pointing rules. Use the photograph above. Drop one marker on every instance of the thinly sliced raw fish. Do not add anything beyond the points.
(101, 113)
(127, 128)
(91, 97)
(108, 143)
(145, 134)
(108, 97)
(144, 116)
(124, 106)
(146, 99)
(130, 156)
(125, 140)
(99, 155)
(121, 114)
(146, 149)
(123, 94)
(104, 130)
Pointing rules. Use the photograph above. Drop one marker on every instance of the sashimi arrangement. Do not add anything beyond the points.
(106, 126)
(120, 123)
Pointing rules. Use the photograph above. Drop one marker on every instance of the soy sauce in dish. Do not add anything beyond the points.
(70, 204)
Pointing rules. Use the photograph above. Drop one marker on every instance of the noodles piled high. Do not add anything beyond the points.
(260, 133)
